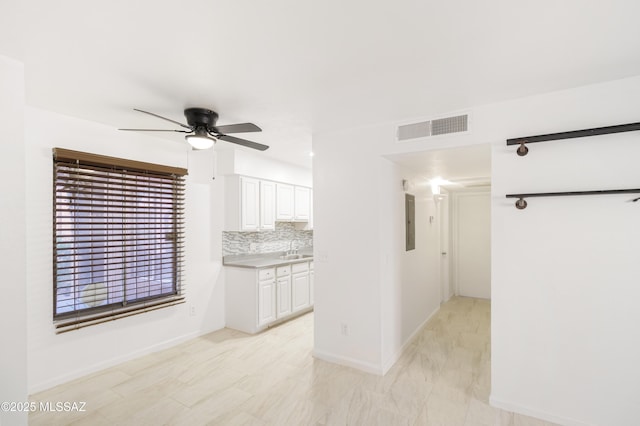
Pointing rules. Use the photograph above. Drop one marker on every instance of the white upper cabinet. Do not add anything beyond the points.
(255, 204)
(267, 205)
(293, 203)
(302, 203)
(284, 202)
(249, 204)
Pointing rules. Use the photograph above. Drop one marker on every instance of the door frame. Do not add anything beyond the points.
(454, 233)
(443, 222)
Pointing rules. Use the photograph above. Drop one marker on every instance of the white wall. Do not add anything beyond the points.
(471, 248)
(564, 271)
(365, 279)
(54, 359)
(13, 303)
(347, 252)
(410, 291)
(258, 165)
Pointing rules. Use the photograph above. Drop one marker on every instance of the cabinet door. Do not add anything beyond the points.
(266, 302)
(249, 204)
(284, 202)
(267, 205)
(300, 291)
(284, 296)
(302, 203)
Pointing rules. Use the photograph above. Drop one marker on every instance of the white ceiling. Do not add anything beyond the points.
(298, 67)
(464, 167)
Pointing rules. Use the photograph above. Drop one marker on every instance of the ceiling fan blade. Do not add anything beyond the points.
(238, 128)
(243, 142)
(155, 130)
(163, 118)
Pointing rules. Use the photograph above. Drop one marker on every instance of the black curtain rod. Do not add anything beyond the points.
(521, 203)
(620, 128)
(576, 134)
(567, 193)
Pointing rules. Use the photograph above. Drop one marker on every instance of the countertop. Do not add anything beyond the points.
(264, 260)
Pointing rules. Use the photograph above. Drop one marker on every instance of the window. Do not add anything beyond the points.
(118, 238)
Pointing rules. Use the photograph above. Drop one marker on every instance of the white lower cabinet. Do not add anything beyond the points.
(284, 291)
(256, 298)
(300, 287)
(266, 301)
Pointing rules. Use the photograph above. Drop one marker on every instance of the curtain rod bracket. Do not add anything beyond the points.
(521, 204)
(522, 149)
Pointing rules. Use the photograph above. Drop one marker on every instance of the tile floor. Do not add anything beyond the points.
(230, 378)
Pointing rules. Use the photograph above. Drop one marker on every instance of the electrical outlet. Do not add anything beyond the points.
(344, 329)
(192, 311)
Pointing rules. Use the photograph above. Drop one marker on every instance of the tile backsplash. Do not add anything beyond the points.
(266, 241)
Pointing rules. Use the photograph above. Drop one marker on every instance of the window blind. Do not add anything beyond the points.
(118, 238)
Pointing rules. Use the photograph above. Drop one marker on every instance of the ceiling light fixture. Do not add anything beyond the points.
(201, 139)
(435, 188)
(436, 182)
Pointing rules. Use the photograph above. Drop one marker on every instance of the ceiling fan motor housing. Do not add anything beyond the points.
(201, 117)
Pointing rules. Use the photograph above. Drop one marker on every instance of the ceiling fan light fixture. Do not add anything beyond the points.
(203, 132)
(200, 140)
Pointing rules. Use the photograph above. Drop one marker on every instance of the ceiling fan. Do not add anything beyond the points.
(202, 131)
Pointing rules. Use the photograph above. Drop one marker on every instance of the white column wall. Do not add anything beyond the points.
(364, 276)
(13, 303)
(346, 252)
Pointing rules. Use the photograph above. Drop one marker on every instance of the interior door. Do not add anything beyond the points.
(473, 244)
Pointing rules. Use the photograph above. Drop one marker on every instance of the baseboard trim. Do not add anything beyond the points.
(527, 411)
(379, 370)
(395, 357)
(349, 362)
(48, 384)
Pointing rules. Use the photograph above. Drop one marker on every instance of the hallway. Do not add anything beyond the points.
(230, 378)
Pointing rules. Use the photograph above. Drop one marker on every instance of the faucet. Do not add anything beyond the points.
(291, 250)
